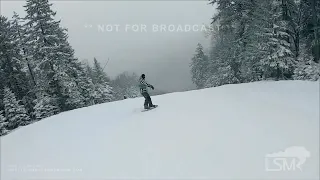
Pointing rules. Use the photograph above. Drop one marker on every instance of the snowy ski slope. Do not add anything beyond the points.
(214, 133)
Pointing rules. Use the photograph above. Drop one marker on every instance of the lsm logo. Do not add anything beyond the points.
(290, 159)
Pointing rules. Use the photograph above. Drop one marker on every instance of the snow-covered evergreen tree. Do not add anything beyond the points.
(3, 124)
(278, 60)
(54, 56)
(99, 75)
(199, 67)
(10, 59)
(104, 93)
(260, 39)
(27, 78)
(307, 69)
(89, 71)
(103, 89)
(86, 87)
(11, 63)
(45, 107)
(222, 65)
(15, 113)
(235, 27)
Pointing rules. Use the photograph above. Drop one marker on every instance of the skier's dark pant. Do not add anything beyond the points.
(147, 102)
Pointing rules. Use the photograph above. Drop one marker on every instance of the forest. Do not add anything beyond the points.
(256, 40)
(40, 75)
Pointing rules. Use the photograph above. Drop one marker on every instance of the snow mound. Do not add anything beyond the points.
(224, 132)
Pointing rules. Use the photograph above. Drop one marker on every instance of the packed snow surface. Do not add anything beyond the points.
(243, 131)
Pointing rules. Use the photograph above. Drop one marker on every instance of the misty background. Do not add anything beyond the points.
(163, 56)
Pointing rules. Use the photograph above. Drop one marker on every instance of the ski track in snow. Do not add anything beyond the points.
(224, 132)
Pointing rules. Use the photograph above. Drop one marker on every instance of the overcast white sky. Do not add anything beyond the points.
(163, 56)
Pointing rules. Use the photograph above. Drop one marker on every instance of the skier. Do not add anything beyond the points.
(144, 92)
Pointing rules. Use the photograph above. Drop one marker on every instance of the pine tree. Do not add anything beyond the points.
(222, 63)
(2, 77)
(27, 80)
(307, 69)
(11, 63)
(104, 93)
(86, 87)
(56, 65)
(315, 43)
(76, 73)
(20, 33)
(99, 75)
(258, 39)
(45, 107)
(3, 124)
(199, 67)
(303, 21)
(103, 89)
(234, 21)
(278, 60)
(9, 57)
(89, 71)
(42, 37)
(15, 112)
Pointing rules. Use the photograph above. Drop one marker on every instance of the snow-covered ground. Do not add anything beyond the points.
(223, 132)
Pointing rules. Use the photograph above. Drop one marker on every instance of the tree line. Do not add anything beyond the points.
(39, 73)
(255, 40)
